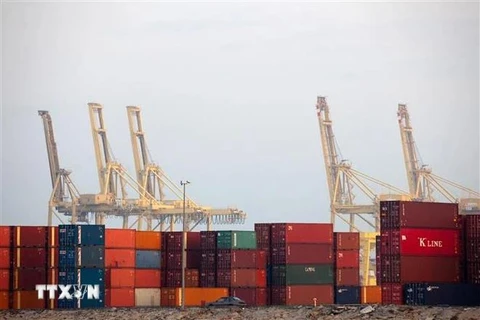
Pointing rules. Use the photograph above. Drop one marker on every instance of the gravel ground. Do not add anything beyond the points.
(267, 313)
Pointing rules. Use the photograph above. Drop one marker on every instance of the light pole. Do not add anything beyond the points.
(184, 240)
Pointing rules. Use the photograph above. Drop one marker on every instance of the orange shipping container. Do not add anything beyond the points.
(4, 279)
(147, 278)
(4, 258)
(119, 258)
(4, 236)
(371, 295)
(120, 238)
(150, 240)
(119, 278)
(194, 297)
(27, 300)
(119, 297)
(4, 299)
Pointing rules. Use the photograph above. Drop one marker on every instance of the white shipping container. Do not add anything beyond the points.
(147, 297)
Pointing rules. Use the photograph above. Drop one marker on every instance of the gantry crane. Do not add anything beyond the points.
(341, 178)
(64, 197)
(153, 181)
(422, 183)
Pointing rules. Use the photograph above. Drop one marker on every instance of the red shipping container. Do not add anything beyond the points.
(235, 259)
(30, 257)
(208, 240)
(120, 297)
(29, 236)
(53, 240)
(347, 277)
(289, 233)
(120, 238)
(147, 278)
(119, 258)
(472, 226)
(173, 241)
(27, 279)
(194, 258)
(241, 278)
(119, 278)
(4, 300)
(310, 295)
(173, 259)
(347, 240)
(4, 279)
(27, 300)
(392, 293)
(4, 236)
(208, 260)
(251, 296)
(411, 214)
(473, 272)
(173, 278)
(427, 242)
(263, 232)
(348, 259)
(208, 279)
(4, 258)
(302, 253)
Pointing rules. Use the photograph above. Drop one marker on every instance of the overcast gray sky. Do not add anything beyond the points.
(228, 92)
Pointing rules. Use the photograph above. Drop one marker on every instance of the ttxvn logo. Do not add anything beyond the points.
(69, 291)
(430, 243)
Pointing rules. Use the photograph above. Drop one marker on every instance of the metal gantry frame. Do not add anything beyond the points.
(422, 182)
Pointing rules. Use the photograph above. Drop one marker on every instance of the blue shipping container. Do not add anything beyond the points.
(347, 295)
(92, 257)
(147, 259)
(83, 303)
(81, 235)
(82, 276)
(431, 294)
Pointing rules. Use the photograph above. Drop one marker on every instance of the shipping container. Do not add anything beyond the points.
(241, 278)
(236, 240)
(30, 257)
(194, 297)
(288, 233)
(251, 296)
(208, 240)
(148, 278)
(347, 240)
(347, 259)
(402, 269)
(5, 236)
(147, 297)
(120, 258)
(27, 300)
(308, 295)
(85, 256)
(208, 260)
(29, 236)
(120, 238)
(4, 258)
(378, 260)
(147, 259)
(421, 242)
(452, 294)
(27, 279)
(79, 276)
(119, 278)
(289, 275)
(473, 272)
(392, 293)
(410, 214)
(120, 297)
(371, 295)
(302, 253)
(148, 240)
(253, 259)
(263, 231)
(208, 278)
(70, 235)
(173, 278)
(173, 241)
(4, 279)
(347, 277)
(347, 295)
(173, 259)
(4, 300)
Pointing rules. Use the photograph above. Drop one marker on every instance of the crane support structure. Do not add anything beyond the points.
(422, 182)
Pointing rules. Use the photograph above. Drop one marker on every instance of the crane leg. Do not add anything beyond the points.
(149, 222)
(352, 222)
(50, 215)
(125, 222)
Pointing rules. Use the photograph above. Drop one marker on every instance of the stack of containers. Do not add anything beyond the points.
(119, 267)
(420, 242)
(82, 262)
(208, 259)
(172, 262)
(302, 264)
(4, 267)
(241, 267)
(148, 245)
(347, 267)
(263, 232)
(472, 247)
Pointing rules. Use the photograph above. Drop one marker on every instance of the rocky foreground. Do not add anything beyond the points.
(267, 313)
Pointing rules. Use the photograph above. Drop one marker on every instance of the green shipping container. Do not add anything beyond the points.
(236, 240)
(302, 274)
